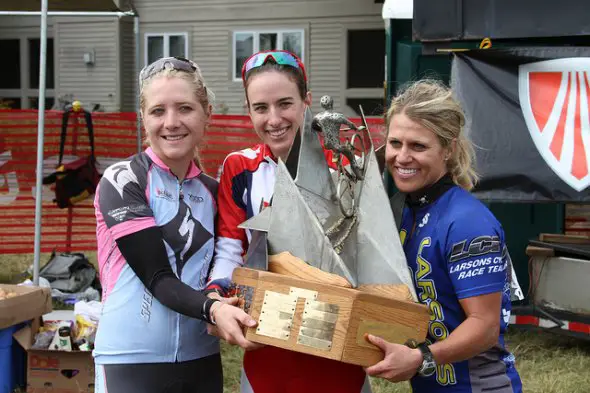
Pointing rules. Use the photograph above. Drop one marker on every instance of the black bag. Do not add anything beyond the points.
(77, 180)
(69, 272)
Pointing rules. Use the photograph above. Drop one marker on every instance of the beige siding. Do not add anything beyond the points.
(89, 84)
(210, 45)
(127, 65)
(236, 10)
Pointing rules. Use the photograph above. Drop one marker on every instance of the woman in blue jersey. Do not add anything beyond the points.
(277, 96)
(155, 217)
(455, 248)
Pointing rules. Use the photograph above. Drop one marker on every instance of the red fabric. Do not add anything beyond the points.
(275, 370)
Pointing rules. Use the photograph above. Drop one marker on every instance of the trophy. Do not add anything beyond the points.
(325, 265)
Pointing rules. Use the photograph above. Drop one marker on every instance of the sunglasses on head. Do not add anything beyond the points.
(281, 57)
(175, 63)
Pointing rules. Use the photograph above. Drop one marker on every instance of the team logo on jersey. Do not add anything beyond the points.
(195, 198)
(554, 97)
(119, 175)
(163, 193)
(424, 221)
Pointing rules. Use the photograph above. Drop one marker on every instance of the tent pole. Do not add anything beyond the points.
(137, 69)
(40, 135)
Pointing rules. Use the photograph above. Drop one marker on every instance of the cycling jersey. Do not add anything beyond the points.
(137, 194)
(246, 186)
(455, 248)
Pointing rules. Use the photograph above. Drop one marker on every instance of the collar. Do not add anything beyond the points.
(193, 170)
(430, 194)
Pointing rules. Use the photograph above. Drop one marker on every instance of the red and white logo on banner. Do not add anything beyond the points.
(554, 97)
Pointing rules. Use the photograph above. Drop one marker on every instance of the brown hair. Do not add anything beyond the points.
(294, 74)
(431, 104)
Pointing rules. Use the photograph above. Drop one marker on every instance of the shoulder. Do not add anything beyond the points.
(463, 214)
(131, 170)
(210, 183)
(246, 159)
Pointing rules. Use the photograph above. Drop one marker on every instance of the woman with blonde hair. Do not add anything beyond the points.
(155, 216)
(455, 249)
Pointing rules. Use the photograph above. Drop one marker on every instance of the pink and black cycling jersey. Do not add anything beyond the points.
(134, 195)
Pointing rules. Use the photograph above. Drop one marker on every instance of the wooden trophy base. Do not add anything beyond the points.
(323, 319)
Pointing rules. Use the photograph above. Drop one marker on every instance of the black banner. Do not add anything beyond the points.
(528, 115)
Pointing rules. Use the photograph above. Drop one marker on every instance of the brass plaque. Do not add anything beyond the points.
(320, 315)
(276, 315)
(304, 293)
(321, 306)
(317, 326)
(314, 342)
(317, 333)
(271, 331)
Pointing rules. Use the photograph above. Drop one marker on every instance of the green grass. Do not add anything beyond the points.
(547, 363)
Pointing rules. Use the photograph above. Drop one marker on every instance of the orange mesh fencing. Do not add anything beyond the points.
(115, 136)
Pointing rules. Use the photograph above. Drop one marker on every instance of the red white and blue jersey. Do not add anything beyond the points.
(246, 186)
(455, 248)
(137, 194)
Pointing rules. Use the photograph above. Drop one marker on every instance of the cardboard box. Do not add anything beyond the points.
(30, 302)
(323, 319)
(55, 371)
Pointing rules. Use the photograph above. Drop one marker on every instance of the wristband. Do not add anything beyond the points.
(207, 310)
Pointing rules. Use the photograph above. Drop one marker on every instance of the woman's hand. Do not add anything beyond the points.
(229, 321)
(400, 363)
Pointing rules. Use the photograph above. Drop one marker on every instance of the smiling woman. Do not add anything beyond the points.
(155, 247)
(275, 84)
(455, 249)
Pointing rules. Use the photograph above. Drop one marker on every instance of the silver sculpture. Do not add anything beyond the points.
(351, 233)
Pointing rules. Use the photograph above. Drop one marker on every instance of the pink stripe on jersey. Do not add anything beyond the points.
(128, 227)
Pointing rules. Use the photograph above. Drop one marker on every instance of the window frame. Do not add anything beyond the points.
(166, 36)
(25, 91)
(256, 44)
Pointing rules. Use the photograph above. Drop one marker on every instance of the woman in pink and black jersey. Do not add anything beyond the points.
(155, 231)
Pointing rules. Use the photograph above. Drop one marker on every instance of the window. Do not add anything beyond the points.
(365, 70)
(19, 77)
(158, 45)
(366, 58)
(248, 42)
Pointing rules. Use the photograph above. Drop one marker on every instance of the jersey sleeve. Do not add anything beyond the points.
(122, 200)
(475, 261)
(231, 241)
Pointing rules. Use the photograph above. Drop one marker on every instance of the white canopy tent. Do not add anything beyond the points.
(398, 9)
(45, 8)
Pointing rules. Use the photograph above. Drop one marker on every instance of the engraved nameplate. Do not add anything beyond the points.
(318, 325)
(276, 315)
(304, 293)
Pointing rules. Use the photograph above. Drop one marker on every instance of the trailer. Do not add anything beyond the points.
(487, 44)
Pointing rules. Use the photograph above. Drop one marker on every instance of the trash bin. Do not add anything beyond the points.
(11, 359)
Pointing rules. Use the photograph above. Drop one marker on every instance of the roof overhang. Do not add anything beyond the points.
(66, 6)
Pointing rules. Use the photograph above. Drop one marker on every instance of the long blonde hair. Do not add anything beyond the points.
(204, 95)
(432, 105)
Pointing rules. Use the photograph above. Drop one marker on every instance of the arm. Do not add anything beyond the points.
(230, 241)
(477, 333)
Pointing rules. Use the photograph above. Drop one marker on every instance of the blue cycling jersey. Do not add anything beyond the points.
(455, 248)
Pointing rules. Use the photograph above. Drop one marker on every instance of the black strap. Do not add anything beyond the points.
(397, 202)
(64, 131)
